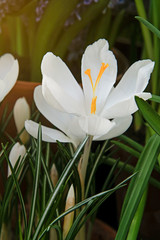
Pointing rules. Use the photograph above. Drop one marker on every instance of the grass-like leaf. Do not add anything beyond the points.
(155, 98)
(130, 169)
(149, 114)
(128, 149)
(17, 188)
(89, 201)
(95, 167)
(35, 185)
(131, 143)
(149, 26)
(138, 184)
(60, 183)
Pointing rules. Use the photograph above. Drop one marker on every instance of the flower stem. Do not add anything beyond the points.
(4, 232)
(86, 157)
(82, 172)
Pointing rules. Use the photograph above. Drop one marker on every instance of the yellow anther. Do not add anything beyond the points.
(88, 73)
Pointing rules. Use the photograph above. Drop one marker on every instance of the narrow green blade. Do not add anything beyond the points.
(149, 114)
(138, 184)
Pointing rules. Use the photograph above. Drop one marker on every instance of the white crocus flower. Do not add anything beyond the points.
(17, 151)
(9, 69)
(99, 109)
(21, 113)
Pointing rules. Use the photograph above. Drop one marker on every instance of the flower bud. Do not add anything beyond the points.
(54, 175)
(68, 219)
(21, 113)
(16, 152)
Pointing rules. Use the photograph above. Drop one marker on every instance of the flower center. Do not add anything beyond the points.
(94, 98)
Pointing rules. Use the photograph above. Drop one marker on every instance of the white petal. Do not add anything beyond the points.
(66, 122)
(16, 151)
(94, 125)
(125, 107)
(61, 84)
(121, 125)
(9, 69)
(48, 134)
(94, 56)
(133, 82)
(59, 98)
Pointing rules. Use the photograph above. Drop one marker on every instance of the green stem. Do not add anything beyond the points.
(136, 222)
(145, 31)
(81, 234)
(156, 48)
(86, 154)
(95, 167)
(4, 232)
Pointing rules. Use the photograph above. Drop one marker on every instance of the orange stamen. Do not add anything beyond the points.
(94, 99)
(93, 105)
(103, 68)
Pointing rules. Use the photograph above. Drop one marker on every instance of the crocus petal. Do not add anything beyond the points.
(94, 56)
(17, 151)
(124, 107)
(9, 69)
(94, 125)
(48, 134)
(133, 83)
(66, 122)
(59, 81)
(121, 125)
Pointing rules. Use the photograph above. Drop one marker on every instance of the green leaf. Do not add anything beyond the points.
(149, 26)
(35, 185)
(136, 222)
(131, 142)
(95, 167)
(155, 98)
(17, 188)
(149, 114)
(129, 168)
(138, 185)
(60, 183)
(126, 148)
(90, 201)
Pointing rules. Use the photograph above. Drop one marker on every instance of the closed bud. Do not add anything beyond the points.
(21, 112)
(54, 175)
(68, 219)
(17, 151)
